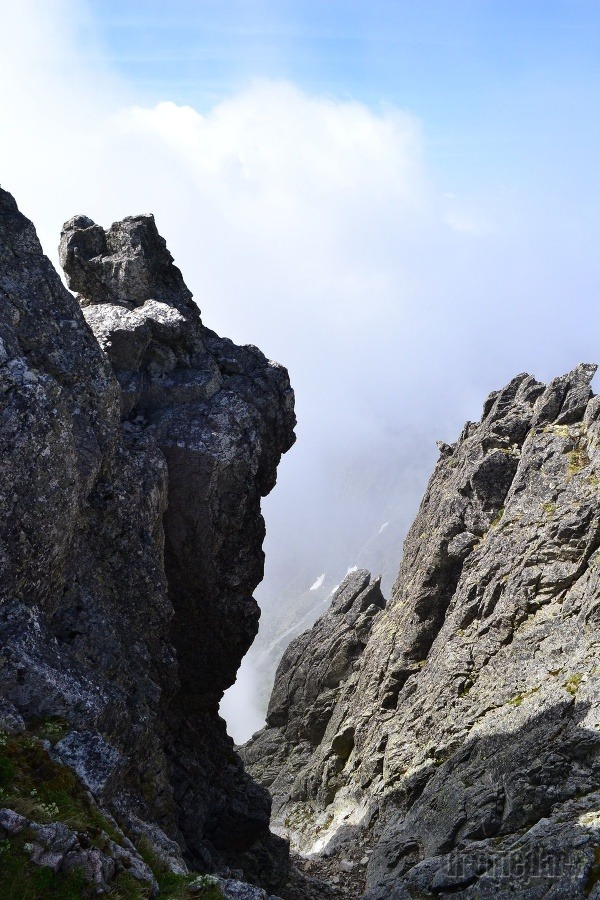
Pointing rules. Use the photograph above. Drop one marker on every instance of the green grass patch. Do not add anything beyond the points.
(561, 430)
(36, 787)
(467, 688)
(176, 887)
(497, 517)
(518, 700)
(21, 879)
(572, 683)
(578, 460)
(50, 728)
(44, 791)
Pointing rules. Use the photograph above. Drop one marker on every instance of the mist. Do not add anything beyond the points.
(323, 231)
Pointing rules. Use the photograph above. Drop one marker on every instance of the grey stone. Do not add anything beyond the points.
(461, 545)
(126, 265)
(92, 758)
(221, 415)
(313, 673)
(468, 735)
(10, 720)
(237, 890)
(167, 851)
(96, 867)
(124, 619)
(11, 821)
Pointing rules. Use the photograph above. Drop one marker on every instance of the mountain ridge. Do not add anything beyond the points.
(460, 757)
(443, 743)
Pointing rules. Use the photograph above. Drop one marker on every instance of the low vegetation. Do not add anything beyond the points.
(43, 791)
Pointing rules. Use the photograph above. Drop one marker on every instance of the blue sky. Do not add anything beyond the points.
(504, 89)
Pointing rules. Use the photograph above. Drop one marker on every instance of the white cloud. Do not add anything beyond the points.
(303, 189)
(240, 707)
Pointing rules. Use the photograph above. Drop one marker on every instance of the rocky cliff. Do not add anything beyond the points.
(449, 744)
(445, 743)
(135, 447)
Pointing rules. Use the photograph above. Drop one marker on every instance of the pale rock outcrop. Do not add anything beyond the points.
(315, 670)
(473, 769)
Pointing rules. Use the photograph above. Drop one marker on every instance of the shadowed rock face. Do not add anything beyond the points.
(132, 467)
(471, 723)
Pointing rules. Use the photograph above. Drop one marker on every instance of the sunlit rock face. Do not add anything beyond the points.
(135, 449)
(461, 755)
(315, 671)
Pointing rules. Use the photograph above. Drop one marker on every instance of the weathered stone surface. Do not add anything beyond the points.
(314, 672)
(222, 416)
(171, 430)
(238, 890)
(10, 720)
(320, 660)
(11, 822)
(92, 758)
(474, 763)
(80, 496)
(126, 265)
(61, 849)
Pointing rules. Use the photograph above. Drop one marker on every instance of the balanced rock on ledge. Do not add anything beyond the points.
(222, 416)
(125, 265)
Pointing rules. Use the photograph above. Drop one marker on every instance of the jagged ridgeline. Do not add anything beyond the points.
(134, 450)
(445, 744)
(448, 745)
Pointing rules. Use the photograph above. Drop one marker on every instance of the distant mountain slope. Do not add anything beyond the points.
(293, 613)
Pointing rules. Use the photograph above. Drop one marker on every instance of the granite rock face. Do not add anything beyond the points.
(470, 726)
(315, 670)
(135, 449)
